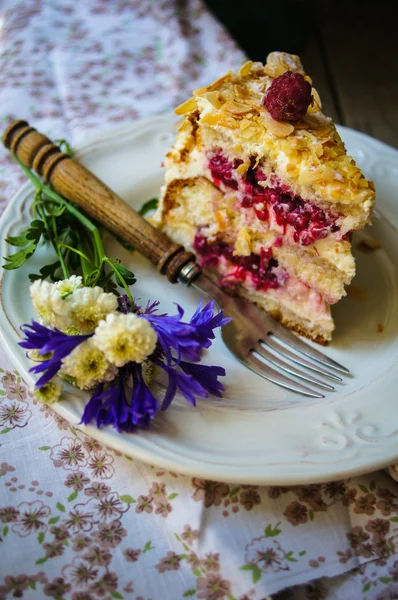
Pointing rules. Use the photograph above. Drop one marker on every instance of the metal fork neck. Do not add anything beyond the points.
(189, 273)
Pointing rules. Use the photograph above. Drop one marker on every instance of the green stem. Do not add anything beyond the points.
(48, 191)
(126, 287)
(53, 243)
(81, 254)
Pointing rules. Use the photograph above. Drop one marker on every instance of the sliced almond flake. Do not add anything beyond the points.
(215, 99)
(277, 128)
(183, 125)
(244, 124)
(242, 169)
(200, 91)
(186, 107)
(241, 92)
(248, 133)
(316, 104)
(236, 108)
(213, 86)
(246, 68)
(256, 163)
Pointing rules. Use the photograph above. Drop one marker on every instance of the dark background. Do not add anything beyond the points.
(348, 47)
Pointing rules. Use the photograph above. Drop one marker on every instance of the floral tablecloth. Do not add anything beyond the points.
(78, 520)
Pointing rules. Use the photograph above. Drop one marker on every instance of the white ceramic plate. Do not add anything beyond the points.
(259, 433)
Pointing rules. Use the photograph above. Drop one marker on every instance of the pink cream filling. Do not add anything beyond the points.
(262, 272)
(275, 203)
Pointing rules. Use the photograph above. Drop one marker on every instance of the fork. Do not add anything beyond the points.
(257, 340)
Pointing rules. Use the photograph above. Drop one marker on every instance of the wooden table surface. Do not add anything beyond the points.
(348, 47)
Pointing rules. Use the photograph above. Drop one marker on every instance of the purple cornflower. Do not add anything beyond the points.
(187, 339)
(45, 340)
(178, 351)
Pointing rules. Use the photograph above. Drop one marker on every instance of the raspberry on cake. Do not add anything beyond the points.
(260, 187)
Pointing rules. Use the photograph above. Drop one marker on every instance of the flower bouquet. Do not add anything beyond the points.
(93, 334)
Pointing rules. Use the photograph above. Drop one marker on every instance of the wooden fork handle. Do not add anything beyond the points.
(78, 185)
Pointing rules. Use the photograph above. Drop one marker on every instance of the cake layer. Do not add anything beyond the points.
(193, 205)
(272, 274)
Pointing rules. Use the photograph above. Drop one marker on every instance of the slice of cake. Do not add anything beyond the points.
(259, 186)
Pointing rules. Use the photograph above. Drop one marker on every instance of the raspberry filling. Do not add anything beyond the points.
(263, 270)
(277, 203)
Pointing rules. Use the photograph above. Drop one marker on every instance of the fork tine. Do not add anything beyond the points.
(259, 367)
(298, 345)
(278, 362)
(269, 340)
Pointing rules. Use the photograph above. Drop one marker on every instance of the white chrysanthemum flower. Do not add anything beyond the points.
(48, 393)
(88, 366)
(124, 338)
(50, 307)
(66, 287)
(89, 306)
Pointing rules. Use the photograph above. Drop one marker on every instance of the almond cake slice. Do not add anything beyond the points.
(260, 187)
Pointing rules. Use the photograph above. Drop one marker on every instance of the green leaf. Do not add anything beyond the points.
(372, 485)
(66, 543)
(54, 210)
(73, 430)
(32, 584)
(2, 392)
(5, 430)
(394, 519)
(234, 491)
(188, 593)
(58, 598)
(40, 561)
(32, 233)
(177, 537)
(256, 571)
(367, 586)
(127, 456)
(197, 572)
(40, 537)
(183, 556)
(149, 206)
(127, 275)
(53, 520)
(28, 238)
(5, 530)
(385, 579)
(148, 546)
(302, 553)
(256, 575)
(128, 499)
(172, 496)
(45, 448)
(272, 531)
(116, 595)
(72, 496)
(311, 515)
(363, 489)
(291, 558)
(186, 547)
(60, 506)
